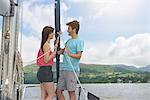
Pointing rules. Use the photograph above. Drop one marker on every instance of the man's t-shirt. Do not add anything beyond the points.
(74, 46)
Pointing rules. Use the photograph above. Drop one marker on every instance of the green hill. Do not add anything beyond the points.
(92, 73)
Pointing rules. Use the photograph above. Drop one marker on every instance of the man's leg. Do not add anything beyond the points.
(72, 95)
(71, 81)
(61, 86)
(60, 94)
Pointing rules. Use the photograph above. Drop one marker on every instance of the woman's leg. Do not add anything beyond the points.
(43, 92)
(50, 90)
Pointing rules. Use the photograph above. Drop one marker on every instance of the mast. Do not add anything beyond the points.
(10, 60)
(57, 29)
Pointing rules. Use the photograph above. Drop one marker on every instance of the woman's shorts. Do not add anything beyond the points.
(45, 74)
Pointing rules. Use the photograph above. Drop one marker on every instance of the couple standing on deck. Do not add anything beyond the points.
(67, 80)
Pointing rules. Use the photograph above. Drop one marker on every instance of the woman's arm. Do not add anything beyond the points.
(48, 57)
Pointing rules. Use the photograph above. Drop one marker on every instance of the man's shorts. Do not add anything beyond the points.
(67, 80)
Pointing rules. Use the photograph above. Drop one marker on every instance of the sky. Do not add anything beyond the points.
(114, 31)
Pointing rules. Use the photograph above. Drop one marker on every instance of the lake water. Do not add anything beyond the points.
(104, 91)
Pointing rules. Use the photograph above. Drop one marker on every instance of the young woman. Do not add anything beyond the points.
(45, 62)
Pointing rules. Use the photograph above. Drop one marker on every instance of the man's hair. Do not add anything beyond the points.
(74, 25)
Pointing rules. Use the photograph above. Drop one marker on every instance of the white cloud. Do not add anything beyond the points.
(94, 52)
(30, 48)
(65, 18)
(90, 1)
(64, 9)
(134, 50)
(38, 16)
(114, 9)
(0, 38)
(131, 51)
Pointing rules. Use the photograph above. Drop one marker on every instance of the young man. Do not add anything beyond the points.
(73, 52)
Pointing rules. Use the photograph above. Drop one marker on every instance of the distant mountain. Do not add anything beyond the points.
(145, 69)
(111, 68)
(125, 68)
(94, 73)
(102, 68)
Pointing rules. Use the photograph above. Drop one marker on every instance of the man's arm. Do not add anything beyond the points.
(61, 51)
(79, 49)
(77, 56)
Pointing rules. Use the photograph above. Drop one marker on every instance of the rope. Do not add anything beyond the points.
(37, 58)
(21, 25)
(43, 54)
(49, 51)
(68, 59)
